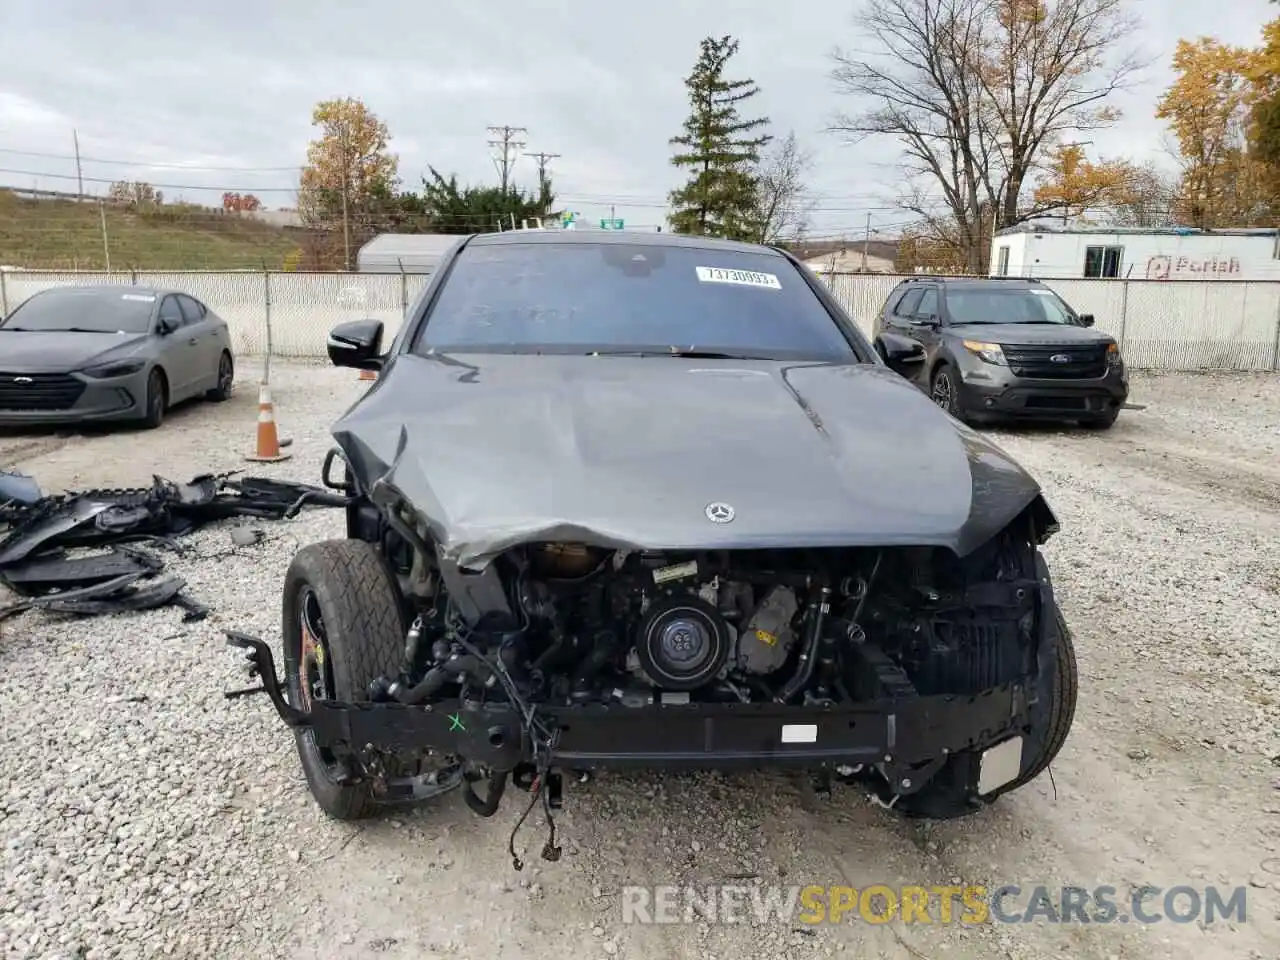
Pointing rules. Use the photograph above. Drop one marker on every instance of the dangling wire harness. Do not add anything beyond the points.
(543, 739)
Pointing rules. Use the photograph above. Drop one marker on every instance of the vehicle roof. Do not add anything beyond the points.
(1013, 283)
(631, 238)
(109, 290)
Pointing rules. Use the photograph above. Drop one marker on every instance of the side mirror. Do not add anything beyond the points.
(356, 343)
(929, 320)
(1086, 319)
(165, 327)
(901, 354)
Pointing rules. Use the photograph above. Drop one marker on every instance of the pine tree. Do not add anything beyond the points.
(720, 197)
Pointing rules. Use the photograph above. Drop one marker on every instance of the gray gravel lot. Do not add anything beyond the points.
(143, 815)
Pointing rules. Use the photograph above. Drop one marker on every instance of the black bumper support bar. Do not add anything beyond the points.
(899, 733)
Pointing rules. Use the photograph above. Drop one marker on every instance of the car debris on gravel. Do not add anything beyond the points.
(79, 552)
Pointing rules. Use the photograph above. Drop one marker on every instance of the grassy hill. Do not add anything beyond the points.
(56, 234)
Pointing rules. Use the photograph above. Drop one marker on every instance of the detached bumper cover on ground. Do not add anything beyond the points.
(34, 558)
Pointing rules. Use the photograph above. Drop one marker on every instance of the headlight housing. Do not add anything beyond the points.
(990, 352)
(1113, 355)
(115, 368)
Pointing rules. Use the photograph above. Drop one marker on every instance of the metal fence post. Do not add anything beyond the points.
(4, 295)
(1124, 310)
(266, 311)
(1275, 346)
(404, 290)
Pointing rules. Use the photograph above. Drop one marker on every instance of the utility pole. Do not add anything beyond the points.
(346, 219)
(75, 138)
(346, 227)
(542, 159)
(510, 145)
(866, 244)
(106, 248)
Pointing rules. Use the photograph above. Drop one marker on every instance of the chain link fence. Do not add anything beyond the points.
(289, 313)
(1169, 325)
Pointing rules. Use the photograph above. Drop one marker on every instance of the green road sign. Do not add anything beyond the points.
(611, 224)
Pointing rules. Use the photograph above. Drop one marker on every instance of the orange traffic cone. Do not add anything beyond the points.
(368, 375)
(268, 440)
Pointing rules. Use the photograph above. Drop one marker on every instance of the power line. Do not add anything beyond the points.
(877, 202)
(620, 199)
(164, 186)
(258, 190)
(509, 144)
(148, 165)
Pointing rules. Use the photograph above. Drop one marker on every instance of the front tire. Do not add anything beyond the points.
(226, 377)
(342, 629)
(950, 795)
(944, 392)
(157, 400)
(1105, 422)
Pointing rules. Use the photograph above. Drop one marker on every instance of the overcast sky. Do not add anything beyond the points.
(228, 87)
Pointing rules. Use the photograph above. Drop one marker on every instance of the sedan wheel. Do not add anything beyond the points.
(157, 400)
(226, 376)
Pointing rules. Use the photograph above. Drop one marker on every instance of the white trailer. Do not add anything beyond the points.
(1067, 253)
(405, 252)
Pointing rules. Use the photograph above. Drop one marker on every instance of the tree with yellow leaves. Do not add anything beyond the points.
(1073, 185)
(1208, 107)
(1264, 75)
(349, 172)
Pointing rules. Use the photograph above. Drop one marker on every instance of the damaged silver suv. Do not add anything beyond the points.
(653, 501)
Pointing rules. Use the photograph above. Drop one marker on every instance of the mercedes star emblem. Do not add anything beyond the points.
(719, 512)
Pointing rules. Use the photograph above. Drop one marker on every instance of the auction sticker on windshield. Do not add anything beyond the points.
(140, 297)
(746, 278)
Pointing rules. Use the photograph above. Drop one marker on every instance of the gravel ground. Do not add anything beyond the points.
(142, 814)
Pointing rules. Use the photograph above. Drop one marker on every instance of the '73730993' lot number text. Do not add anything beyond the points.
(747, 278)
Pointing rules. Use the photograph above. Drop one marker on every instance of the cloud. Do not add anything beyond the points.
(166, 89)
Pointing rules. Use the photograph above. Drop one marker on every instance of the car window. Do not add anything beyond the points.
(907, 306)
(170, 311)
(583, 297)
(986, 305)
(83, 309)
(891, 305)
(192, 310)
(928, 303)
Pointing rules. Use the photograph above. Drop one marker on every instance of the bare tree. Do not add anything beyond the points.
(1148, 199)
(974, 90)
(782, 196)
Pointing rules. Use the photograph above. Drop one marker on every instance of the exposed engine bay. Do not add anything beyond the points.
(577, 624)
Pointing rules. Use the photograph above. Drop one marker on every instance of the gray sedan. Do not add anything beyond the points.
(107, 353)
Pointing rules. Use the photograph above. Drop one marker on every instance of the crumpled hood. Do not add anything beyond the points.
(1031, 333)
(630, 452)
(54, 352)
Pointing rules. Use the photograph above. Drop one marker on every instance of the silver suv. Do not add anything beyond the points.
(998, 348)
